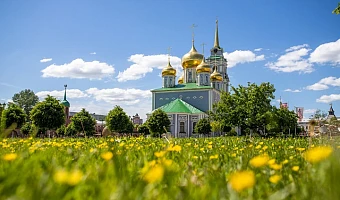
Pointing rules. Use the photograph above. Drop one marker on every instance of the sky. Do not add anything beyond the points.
(112, 52)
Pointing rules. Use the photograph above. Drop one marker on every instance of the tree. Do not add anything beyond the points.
(129, 127)
(117, 120)
(26, 129)
(203, 126)
(13, 117)
(26, 99)
(157, 121)
(143, 129)
(84, 122)
(337, 10)
(48, 114)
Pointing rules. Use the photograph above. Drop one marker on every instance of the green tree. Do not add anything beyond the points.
(143, 129)
(84, 122)
(203, 126)
(26, 129)
(157, 121)
(26, 99)
(13, 117)
(48, 114)
(61, 130)
(285, 120)
(70, 130)
(117, 120)
(337, 10)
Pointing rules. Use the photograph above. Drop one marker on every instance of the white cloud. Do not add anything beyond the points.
(143, 64)
(93, 53)
(79, 69)
(326, 53)
(324, 83)
(290, 90)
(328, 98)
(70, 94)
(297, 47)
(309, 111)
(240, 56)
(293, 61)
(258, 49)
(45, 60)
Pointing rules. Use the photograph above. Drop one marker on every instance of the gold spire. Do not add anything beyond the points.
(192, 58)
(217, 42)
(169, 70)
(216, 76)
(203, 66)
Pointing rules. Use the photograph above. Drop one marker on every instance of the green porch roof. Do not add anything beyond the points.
(184, 86)
(180, 106)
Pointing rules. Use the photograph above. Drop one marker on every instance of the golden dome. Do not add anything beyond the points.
(180, 80)
(192, 58)
(203, 67)
(168, 71)
(216, 76)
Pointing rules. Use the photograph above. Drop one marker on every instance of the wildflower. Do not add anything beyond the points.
(275, 178)
(213, 157)
(259, 161)
(258, 147)
(10, 156)
(317, 154)
(265, 148)
(60, 176)
(275, 166)
(107, 155)
(300, 149)
(242, 180)
(285, 162)
(271, 162)
(295, 168)
(209, 146)
(154, 174)
(233, 155)
(74, 177)
(195, 157)
(174, 148)
(159, 154)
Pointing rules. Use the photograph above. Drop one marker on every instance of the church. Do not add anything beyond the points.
(198, 88)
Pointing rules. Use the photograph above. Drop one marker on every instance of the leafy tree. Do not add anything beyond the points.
(157, 121)
(337, 10)
(70, 130)
(117, 120)
(26, 129)
(61, 130)
(13, 115)
(84, 122)
(285, 120)
(26, 99)
(203, 126)
(48, 114)
(143, 129)
(129, 127)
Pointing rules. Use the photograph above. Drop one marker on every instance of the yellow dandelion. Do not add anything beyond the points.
(107, 155)
(60, 176)
(159, 154)
(213, 157)
(275, 166)
(174, 148)
(285, 162)
(275, 178)
(74, 177)
(300, 149)
(10, 156)
(295, 168)
(271, 161)
(155, 174)
(265, 148)
(317, 154)
(242, 180)
(209, 146)
(259, 161)
(233, 155)
(258, 147)
(195, 157)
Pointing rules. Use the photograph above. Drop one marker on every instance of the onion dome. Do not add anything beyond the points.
(203, 67)
(216, 76)
(64, 101)
(192, 58)
(181, 79)
(168, 70)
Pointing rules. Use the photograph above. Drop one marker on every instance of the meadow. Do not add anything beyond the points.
(149, 168)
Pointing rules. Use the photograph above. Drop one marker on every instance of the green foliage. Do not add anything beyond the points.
(26, 99)
(13, 115)
(117, 120)
(337, 10)
(319, 115)
(282, 120)
(203, 126)
(61, 130)
(157, 121)
(48, 114)
(143, 129)
(70, 130)
(84, 122)
(26, 129)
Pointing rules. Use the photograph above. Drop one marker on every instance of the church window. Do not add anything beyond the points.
(181, 127)
(201, 79)
(170, 82)
(165, 81)
(206, 79)
(190, 76)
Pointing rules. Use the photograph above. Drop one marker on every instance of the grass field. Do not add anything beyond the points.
(147, 168)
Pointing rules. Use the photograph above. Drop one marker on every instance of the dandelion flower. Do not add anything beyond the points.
(295, 168)
(275, 166)
(159, 154)
(60, 176)
(317, 154)
(275, 178)
(242, 180)
(155, 174)
(259, 161)
(107, 155)
(10, 156)
(74, 177)
(213, 157)
(175, 148)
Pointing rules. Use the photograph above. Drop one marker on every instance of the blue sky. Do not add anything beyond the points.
(112, 52)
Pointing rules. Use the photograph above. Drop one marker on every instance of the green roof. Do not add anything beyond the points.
(65, 103)
(179, 106)
(184, 86)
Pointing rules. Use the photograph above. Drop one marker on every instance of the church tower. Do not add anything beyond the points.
(66, 105)
(217, 60)
(203, 72)
(169, 75)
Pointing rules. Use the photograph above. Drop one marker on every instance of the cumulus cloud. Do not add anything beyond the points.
(328, 98)
(239, 57)
(258, 49)
(143, 64)
(326, 53)
(324, 83)
(293, 61)
(290, 90)
(71, 94)
(45, 60)
(79, 69)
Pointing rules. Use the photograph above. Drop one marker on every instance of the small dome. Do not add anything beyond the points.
(192, 58)
(216, 76)
(180, 80)
(203, 67)
(168, 71)
(65, 103)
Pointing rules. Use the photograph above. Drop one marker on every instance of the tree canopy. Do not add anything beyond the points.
(13, 115)
(117, 120)
(26, 99)
(48, 114)
(337, 10)
(84, 122)
(203, 126)
(157, 121)
(143, 129)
